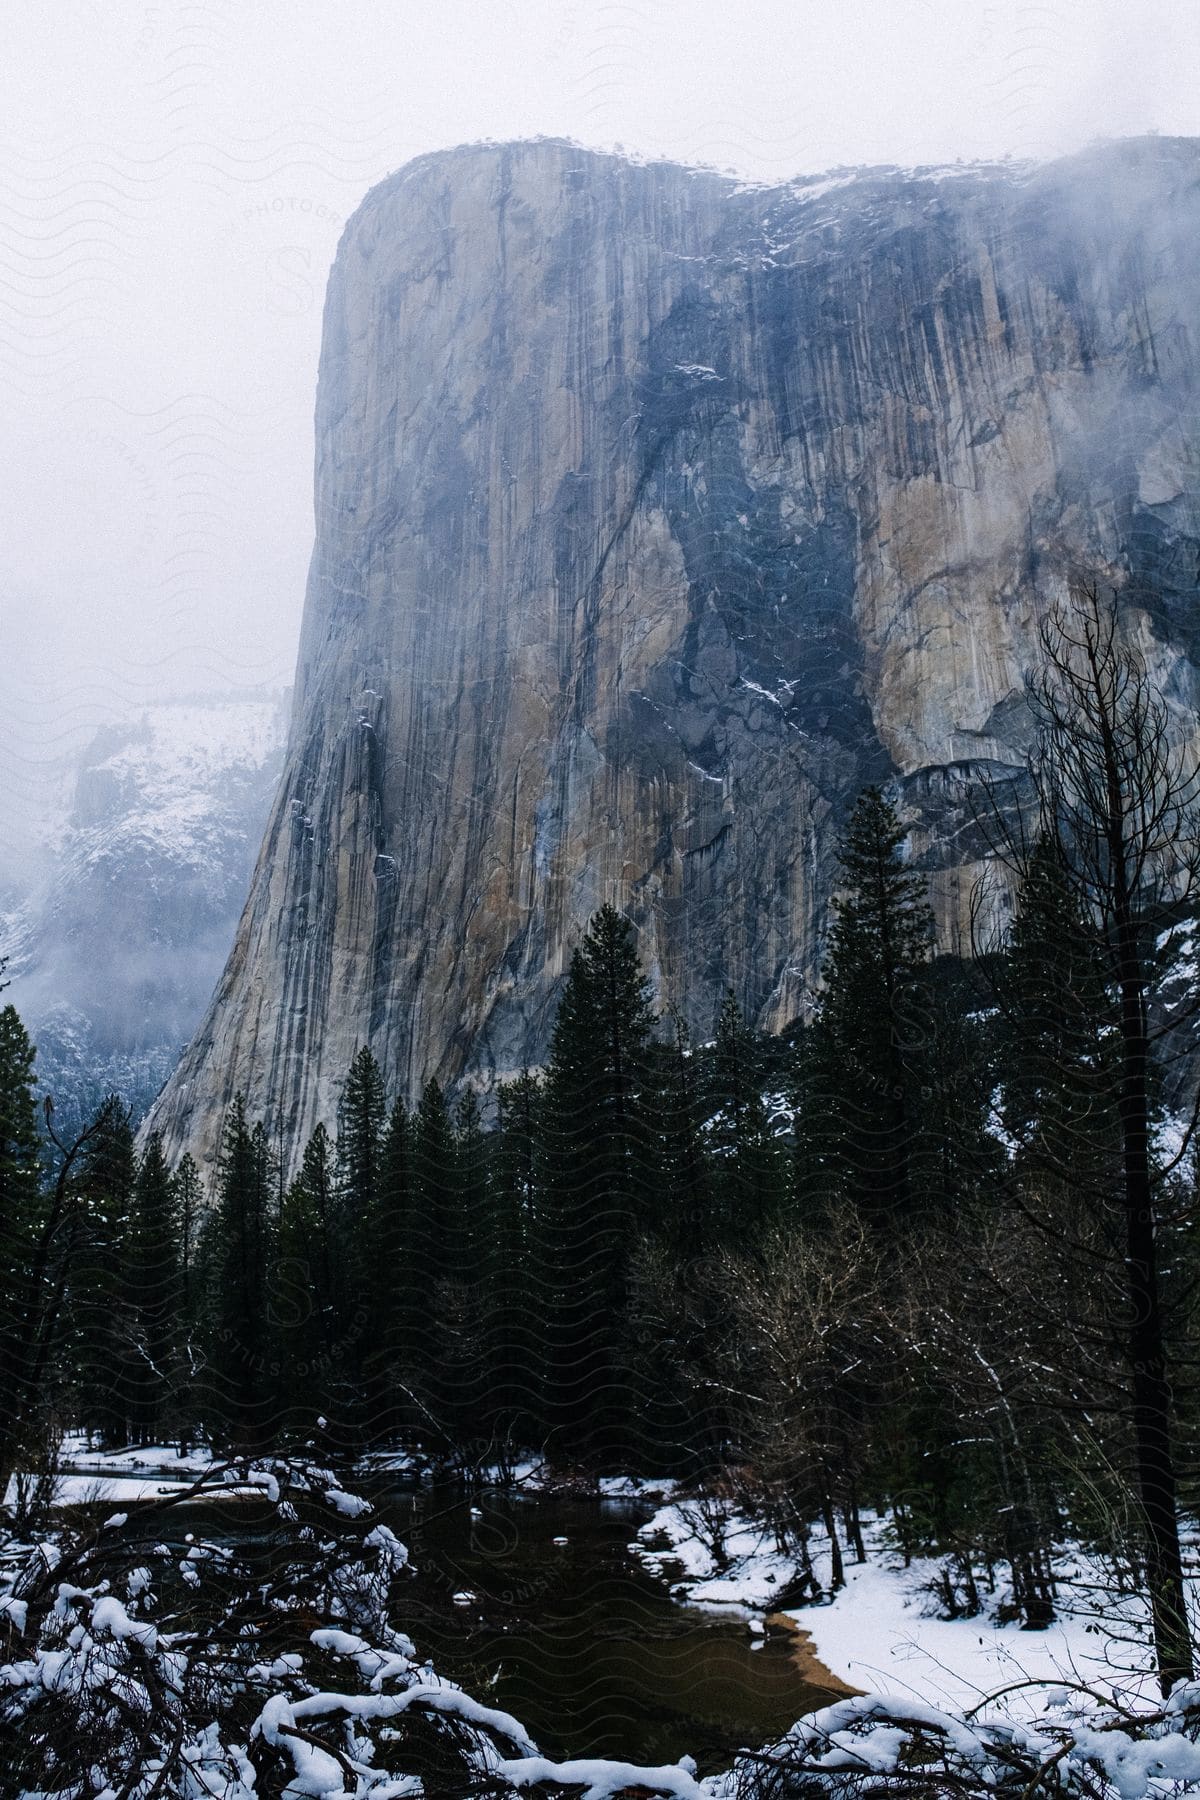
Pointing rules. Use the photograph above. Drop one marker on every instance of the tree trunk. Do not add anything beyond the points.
(854, 1536)
(837, 1571)
(1155, 1462)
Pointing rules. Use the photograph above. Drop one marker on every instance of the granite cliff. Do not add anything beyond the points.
(655, 514)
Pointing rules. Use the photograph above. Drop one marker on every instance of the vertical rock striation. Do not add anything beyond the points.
(654, 515)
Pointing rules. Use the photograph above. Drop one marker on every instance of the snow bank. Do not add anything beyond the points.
(677, 1545)
(15, 1611)
(601, 1778)
(636, 1487)
(880, 1633)
(80, 1490)
(351, 1506)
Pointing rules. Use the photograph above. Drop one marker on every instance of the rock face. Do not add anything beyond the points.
(656, 514)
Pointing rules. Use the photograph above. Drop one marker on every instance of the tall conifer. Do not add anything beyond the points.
(1059, 1032)
(308, 1319)
(102, 1306)
(188, 1200)
(599, 1182)
(154, 1294)
(362, 1114)
(436, 1248)
(515, 1295)
(240, 1245)
(874, 1014)
(748, 1170)
(463, 1356)
(21, 1224)
(392, 1292)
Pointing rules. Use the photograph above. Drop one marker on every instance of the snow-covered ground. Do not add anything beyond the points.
(881, 1633)
(102, 1477)
(145, 1470)
(80, 1490)
(637, 1487)
(77, 1456)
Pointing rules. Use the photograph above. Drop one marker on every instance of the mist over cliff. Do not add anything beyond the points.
(656, 513)
(113, 948)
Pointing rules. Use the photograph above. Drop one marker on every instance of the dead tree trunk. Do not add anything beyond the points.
(1122, 811)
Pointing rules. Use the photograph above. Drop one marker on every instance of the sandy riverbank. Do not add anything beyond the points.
(804, 1655)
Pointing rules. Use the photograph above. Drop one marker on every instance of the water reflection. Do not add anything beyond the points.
(535, 1605)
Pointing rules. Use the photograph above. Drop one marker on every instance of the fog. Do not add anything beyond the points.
(177, 178)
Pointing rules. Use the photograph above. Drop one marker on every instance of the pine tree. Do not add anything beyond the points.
(960, 1161)
(748, 1171)
(239, 1250)
(676, 1103)
(435, 1177)
(304, 1311)
(874, 1020)
(1059, 1036)
(816, 1155)
(599, 1170)
(153, 1286)
(21, 1226)
(188, 1205)
(101, 1300)
(392, 1292)
(463, 1356)
(514, 1296)
(362, 1113)
(669, 1314)
(436, 1252)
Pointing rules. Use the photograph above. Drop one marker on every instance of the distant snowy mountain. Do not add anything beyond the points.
(113, 952)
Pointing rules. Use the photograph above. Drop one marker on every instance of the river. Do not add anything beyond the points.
(534, 1604)
(557, 1623)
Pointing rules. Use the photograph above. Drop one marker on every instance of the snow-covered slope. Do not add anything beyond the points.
(113, 951)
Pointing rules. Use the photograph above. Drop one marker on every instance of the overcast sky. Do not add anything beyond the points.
(177, 175)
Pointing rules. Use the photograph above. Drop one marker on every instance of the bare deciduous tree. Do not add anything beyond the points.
(796, 1367)
(1118, 806)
